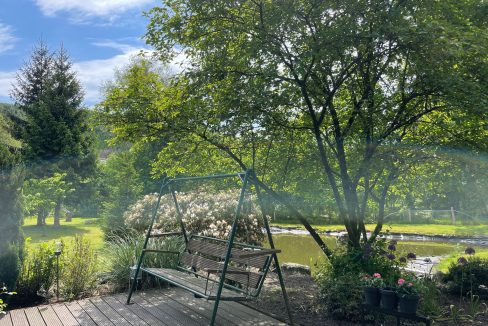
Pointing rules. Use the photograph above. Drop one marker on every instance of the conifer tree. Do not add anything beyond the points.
(56, 131)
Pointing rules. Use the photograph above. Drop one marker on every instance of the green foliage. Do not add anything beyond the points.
(37, 274)
(42, 195)
(79, 268)
(468, 277)
(11, 240)
(55, 131)
(121, 252)
(430, 294)
(9, 267)
(341, 278)
(271, 65)
(4, 292)
(122, 189)
(408, 284)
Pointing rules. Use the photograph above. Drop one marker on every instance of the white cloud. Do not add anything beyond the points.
(7, 78)
(82, 9)
(7, 38)
(94, 73)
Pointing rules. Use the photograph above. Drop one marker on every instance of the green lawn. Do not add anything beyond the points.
(88, 227)
(453, 257)
(425, 229)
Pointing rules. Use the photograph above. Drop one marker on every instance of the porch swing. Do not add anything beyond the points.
(212, 268)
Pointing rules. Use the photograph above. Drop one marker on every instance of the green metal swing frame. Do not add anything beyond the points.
(247, 178)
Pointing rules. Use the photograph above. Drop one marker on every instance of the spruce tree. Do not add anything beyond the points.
(56, 132)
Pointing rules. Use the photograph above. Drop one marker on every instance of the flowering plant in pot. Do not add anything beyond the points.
(408, 294)
(371, 288)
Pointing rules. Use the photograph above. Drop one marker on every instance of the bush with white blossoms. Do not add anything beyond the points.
(207, 214)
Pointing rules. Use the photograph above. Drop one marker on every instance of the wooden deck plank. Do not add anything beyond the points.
(176, 316)
(49, 316)
(18, 317)
(168, 307)
(5, 320)
(184, 314)
(34, 317)
(80, 314)
(199, 306)
(156, 312)
(98, 317)
(139, 311)
(64, 315)
(123, 310)
(246, 313)
(237, 314)
(109, 312)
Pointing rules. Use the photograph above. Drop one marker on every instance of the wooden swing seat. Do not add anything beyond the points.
(200, 267)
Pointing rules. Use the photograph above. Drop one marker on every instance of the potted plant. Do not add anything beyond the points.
(388, 298)
(408, 295)
(371, 288)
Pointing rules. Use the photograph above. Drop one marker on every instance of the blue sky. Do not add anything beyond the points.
(100, 35)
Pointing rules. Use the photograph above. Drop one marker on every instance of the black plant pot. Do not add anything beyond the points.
(408, 303)
(371, 296)
(388, 299)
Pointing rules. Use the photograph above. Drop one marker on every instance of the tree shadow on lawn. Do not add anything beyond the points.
(50, 232)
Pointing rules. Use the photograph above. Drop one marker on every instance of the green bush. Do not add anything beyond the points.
(9, 266)
(339, 279)
(37, 274)
(430, 295)
(467, 276)
(4, 292)
(79, 268)
(123, 251)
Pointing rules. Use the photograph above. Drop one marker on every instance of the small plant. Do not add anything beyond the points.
(79, 267)
(122, 252)
(3, 305)
(36, 274)
(408, 286)
(374, 281)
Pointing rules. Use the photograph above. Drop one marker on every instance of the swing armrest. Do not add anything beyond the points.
(257, 253)
(161, 251)
(216, 271)
(165, 234)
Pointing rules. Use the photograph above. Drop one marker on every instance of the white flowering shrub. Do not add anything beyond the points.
(207, 214)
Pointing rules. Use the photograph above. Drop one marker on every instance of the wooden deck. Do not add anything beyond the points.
(156, 307)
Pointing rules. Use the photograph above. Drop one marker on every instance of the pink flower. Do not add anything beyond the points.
(377, 275)
(410, 284)
(401, 281)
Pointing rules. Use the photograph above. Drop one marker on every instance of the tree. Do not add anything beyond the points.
(56, 131)
(11, 179)
(122, 189)
(43, 195)
(356, 76)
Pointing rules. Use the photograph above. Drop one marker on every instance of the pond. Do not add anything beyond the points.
(302, 249)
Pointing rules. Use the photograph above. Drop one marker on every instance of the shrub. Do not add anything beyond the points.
(4, 292)
(203, 213)
(341, 278)
(9, 266)
(430, 295)
(36, 274)
(467, 275)
(123, 251)
(79, 268)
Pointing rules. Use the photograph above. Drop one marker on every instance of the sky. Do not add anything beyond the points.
(99, 35)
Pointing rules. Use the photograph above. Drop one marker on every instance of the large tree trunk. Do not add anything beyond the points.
(40, 217)
(57, 212)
